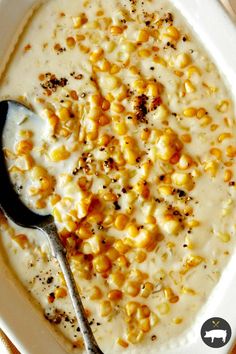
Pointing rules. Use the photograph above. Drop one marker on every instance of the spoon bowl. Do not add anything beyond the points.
(12, 206)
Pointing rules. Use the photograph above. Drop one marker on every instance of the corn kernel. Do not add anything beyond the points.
(173, 33)
(96, 293)
(115, 295)
(183, 60)
(24, 147)
(224, 237)
(122, 343)
(60, 293)
(59, 154)
(228, 175)
(146, 289)
(143, 36)
(116, 30)
(105, 308)
(120, 221)
(101, 263)
(163, 309)
(190, 112)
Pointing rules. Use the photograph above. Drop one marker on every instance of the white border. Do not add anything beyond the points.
(18, 317)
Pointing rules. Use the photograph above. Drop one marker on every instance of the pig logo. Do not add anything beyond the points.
(216, 332)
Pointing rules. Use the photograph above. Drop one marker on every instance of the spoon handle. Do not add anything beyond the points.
(60, 254)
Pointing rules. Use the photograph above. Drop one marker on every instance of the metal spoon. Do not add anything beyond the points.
(12, 207)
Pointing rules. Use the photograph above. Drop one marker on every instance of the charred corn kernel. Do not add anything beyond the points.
(189, 87)
(224, 136)
(173, 33)
(177, 320)
(60, 293)
(96, 293)
(182, 179)
(96, 55)
(132, 230)
(165, 190)
(224, 237)
(120, 221)
(144, 53)
(223, 106)
(118, 278)
(24, 147)
(140, 256)
(59, 154)
(105, 308)
(115, 295)
(190, 112)
(116, 30)
(183, 60)
(216, 152)
(163, 309)
(117, 107)
(143, 36)
(122, 342)
(228, 175)
(132, 288)
(70, 41)
(101, 263)
(79, 20)
(146, 289)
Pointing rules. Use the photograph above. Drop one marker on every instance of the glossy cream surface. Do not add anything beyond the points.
(132, 149)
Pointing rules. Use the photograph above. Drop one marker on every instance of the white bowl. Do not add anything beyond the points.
(19, 319)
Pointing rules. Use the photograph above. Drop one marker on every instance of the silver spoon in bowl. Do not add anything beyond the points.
(14, 209)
